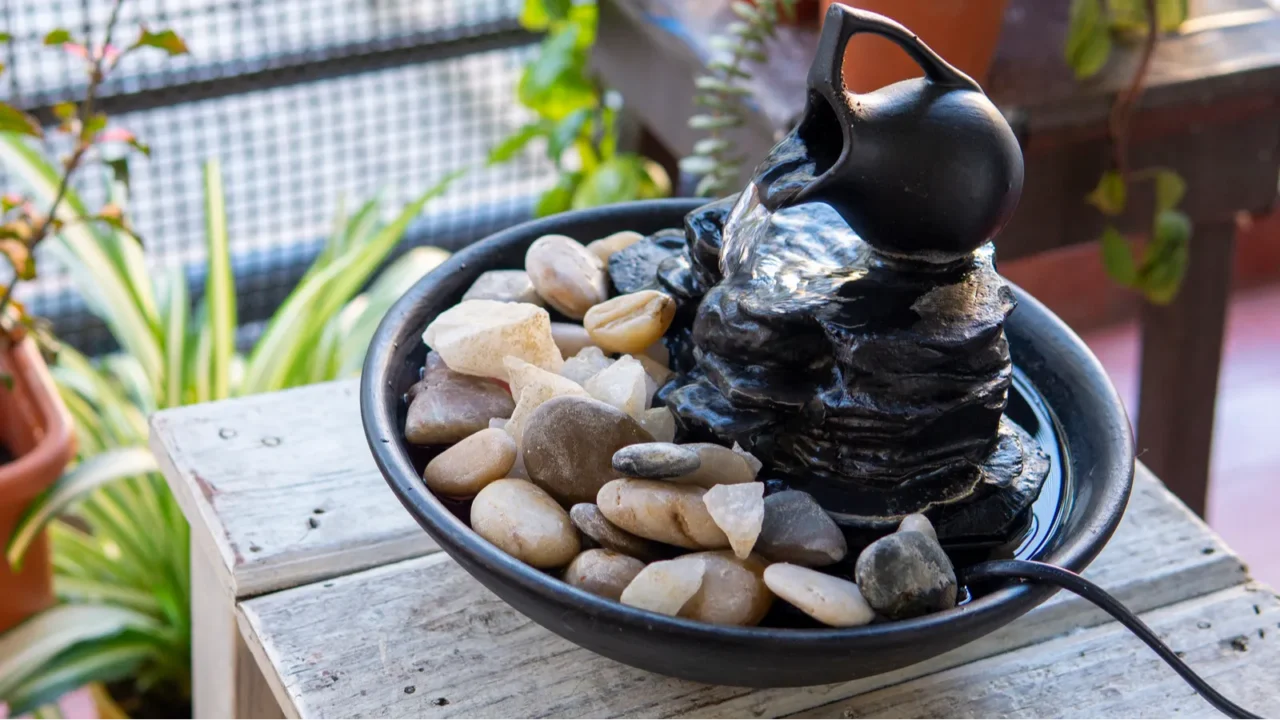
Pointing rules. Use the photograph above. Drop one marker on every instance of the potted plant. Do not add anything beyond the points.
(36, 444)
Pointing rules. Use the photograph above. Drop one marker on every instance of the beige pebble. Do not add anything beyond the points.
(603, 572)
(467, 467)
(719, 466)
(473, 337)
(828, 599)
(567, 275)
(623, 385)
(919, 523)
(610, 244)
(533, 386)
(660, 423)
(656, 370)
(662, 511)
(569, 338)
(585, 365)
(659, 352)
(732, 593)
(752, 461)
(588, 519)
(665, 587)
(738, 510)
(503, 286)
(630, 323)
(525, 522)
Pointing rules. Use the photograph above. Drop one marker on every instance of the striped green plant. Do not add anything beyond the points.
(120, 543)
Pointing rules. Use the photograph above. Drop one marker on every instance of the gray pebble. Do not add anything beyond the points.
(655, 461)
(797, 530)
(569, 444)
(906, 575)
(593, 524)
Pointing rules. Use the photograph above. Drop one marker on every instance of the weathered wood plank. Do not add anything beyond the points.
(282, 489)
(395, 640)
(1230, 638)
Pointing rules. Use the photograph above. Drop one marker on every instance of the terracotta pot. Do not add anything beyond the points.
(964, 32)
(36, 431)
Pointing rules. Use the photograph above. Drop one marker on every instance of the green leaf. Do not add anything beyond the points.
(555, 83)
(585, 16)
(617, 180)
(13, 120)
(1170, 14)
(64, 110)
(1117, 258)
(1088, 38)
(1110, 194)
(514, 143)
(394, 282)
(87, 591)
(176, 307)
(103, 661)
(299, 322)
(565, 133)
(69, 488)
(166, 40)
(57, 36)
(5, 37)
(220, 288)
(1168, 253)
(560, 197)
(537, 14)
(29, 647)
(1170, 187)
(95, 124)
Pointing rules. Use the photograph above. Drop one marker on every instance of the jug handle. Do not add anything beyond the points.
(843, 22)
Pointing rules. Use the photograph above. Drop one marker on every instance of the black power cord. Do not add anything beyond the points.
(1067, 580)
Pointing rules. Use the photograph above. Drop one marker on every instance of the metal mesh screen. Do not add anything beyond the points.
(306, 104)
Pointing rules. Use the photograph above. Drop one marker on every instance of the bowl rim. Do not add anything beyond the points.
(456, 537)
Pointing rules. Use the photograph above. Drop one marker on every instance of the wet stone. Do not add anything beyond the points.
(828, 599)
(656, 460)
(473, 337)
(503, 286)
(665, 587)
(906, 575)
(467, 467)
(733, 591)
(525, 522)
(602, 572)
(593, 524)
(797, 530)
(661, 511)
(446, 406)
(635, 268)
(569, 444)
(567, 275)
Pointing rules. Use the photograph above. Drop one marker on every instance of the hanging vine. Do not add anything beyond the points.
(721, 93)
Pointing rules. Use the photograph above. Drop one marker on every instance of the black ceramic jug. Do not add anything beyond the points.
(926, 166)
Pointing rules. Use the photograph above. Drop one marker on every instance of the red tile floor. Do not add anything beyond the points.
(1244, 485)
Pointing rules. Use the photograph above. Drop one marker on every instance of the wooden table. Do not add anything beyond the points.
(1211, 111)
(316, 595)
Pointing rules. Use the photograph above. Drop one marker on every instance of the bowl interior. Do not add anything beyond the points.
(1052, 364)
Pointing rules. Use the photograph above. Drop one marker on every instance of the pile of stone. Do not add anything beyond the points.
(568, 466)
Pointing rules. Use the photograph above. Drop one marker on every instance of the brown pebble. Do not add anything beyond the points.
(467, 467)
(732, 593)
(569, 443)
(603, 572)
(593, 524)
(525, 522)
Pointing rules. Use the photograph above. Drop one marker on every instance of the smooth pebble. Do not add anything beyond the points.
(662, 511)
(532, 387)
(828, 599)
(797, 530)
(656, 460)
(717, 465)
(610, 244)
(738, 510)
(665, 587)
(569, 443)
(525, 522)
(906, 575)
(569, 338)
(603, 572)
(503, 286)
(732, 593)
(567, 275)
(445, 406)
(630, 323)
(660, 423)
(473, 337)
(919, 523)
(467, 467)
(593, 524)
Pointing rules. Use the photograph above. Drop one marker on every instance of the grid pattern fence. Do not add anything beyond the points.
(308, 105)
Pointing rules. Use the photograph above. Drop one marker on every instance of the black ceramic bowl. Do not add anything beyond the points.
(1094, 435)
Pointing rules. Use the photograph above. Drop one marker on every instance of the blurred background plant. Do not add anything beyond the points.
(722, 92)
(576, 118)
(1158, 273)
